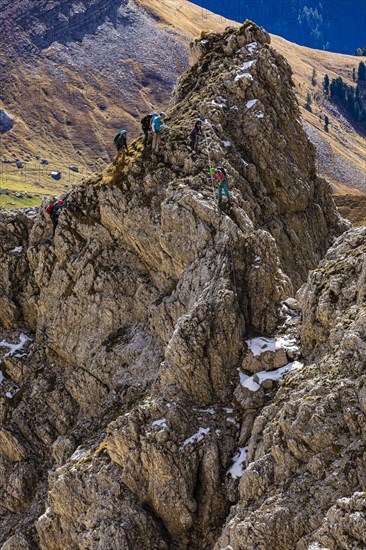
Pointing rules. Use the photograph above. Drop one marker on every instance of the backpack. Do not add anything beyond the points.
(146, 121)
(219, 175)
(56, 211)
(118, 136)
(49, 208)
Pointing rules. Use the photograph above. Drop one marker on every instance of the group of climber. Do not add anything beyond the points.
(151, 126)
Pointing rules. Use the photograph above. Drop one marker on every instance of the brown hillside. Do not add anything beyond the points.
(341, 151)
(69, 99)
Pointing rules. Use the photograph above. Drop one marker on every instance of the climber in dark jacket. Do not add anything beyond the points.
(195, 133)
(146, 126)
(54, 210)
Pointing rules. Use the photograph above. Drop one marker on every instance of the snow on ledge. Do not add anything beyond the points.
(243, 75)
(261, 344)
(251, 47)
(13, 348)
(248, 64)
(161, 423)
(195, 438)
(253, 383)
(238, 467)
(209, 410)
(251, 103)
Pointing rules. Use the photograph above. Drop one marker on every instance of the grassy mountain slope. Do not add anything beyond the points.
(341, 152)
(68, 100)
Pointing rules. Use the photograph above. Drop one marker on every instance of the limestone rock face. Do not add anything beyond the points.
(14, 232)
(305, 478)
(129, 410)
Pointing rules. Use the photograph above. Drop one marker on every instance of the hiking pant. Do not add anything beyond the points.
(194, 143)
(156, 141)
(146, 134)
(219, 189)
(121, 153)
(54, 220)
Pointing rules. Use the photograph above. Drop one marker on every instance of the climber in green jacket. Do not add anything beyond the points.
(120, 141)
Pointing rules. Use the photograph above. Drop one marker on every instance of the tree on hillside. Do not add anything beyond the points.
(349, 97)
(358, 52)
(326, 84)
(362, 71)
(309, 101)
(313, 78)
(326, 123)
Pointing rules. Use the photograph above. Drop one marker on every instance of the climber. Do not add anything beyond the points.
(120, 141)
(146, 126)
(220, 181)
(156, 123)
(194, 135)
(54, 211)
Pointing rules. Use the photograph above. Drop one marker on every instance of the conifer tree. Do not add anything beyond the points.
(313, 78)
(362, 71)
(326, 123)
(326, 84)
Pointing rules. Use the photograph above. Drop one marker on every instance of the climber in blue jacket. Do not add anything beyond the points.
(156, 123)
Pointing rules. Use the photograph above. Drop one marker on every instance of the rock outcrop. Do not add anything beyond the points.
(6, 122)
(304, 485)
(140, 388)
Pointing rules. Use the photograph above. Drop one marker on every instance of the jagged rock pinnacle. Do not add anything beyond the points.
(134, 394)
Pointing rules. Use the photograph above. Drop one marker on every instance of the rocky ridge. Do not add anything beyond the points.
(106, 63)
(139, 387)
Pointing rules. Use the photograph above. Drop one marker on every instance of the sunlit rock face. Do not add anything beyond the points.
(145, 346)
